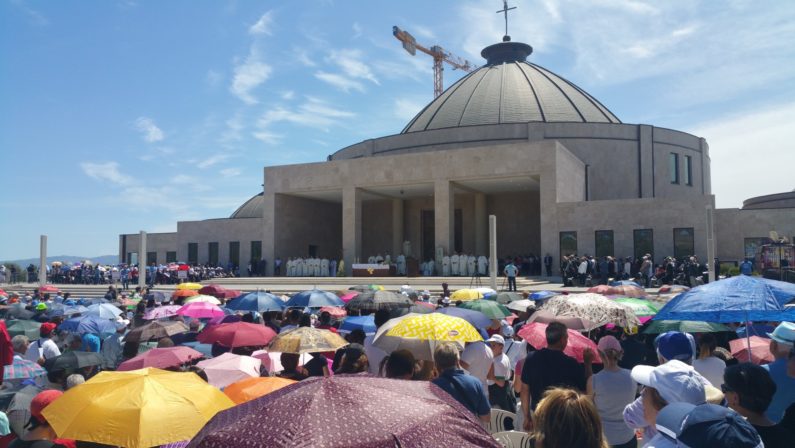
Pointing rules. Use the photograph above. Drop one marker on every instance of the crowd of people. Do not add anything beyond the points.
(587, 270)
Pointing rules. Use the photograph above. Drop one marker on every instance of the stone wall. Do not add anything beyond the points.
(733, 226)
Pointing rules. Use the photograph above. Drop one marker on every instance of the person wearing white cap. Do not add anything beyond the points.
(782, 340)
(499, 376)
(612, 389)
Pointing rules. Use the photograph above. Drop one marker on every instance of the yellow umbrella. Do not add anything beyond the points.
(203, 298)
(466, 294)
(189, 285)
(421, 333)
(139, 408)
(306, 340)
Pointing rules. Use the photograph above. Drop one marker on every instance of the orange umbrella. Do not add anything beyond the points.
(184, 293)
(251, 388)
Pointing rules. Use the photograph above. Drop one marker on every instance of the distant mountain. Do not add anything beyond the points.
(103, 259)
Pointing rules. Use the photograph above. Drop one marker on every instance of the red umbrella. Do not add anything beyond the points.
(48, 288)
(219, 292)
(161, 358)
(3, 293)
(535, 335)
(600, 289)
(237, 334)
(572, 323)
(184, 267)
(347, 297)
(335, 311)
(348, 411)
(200, 310)
(760, 350)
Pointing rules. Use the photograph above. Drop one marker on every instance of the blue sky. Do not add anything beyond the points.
(119, 116)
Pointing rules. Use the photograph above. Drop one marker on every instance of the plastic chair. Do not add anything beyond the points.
(498, 420)
(513, 439)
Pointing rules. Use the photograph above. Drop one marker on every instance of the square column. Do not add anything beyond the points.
(444, 203)
(481, 225)
(351, 227)
(397, 227)
(269, 249)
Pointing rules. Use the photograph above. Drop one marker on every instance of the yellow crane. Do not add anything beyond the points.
(438, 54)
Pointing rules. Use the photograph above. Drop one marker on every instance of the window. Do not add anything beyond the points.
(684, 245)
(171, 256)
(603, 243)
(644, 242)
(151, 257)
(212, 251)
(568, 243)
(193, 253)
(256, 251)
(132, 258)
(673, 167)
(688, 171)
(458, 230)
(234, 253)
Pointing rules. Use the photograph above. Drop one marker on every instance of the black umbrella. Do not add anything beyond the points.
(73, 361)
(378, 300)
(157, 329)
(18, 410)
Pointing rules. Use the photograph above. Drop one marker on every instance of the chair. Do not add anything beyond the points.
(500, 421)
(513, 439)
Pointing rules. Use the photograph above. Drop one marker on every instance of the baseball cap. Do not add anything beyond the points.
(609, 343)
(676, 382)
(706, 426)
(39, 402)
(41, 307)
(784, 333)
(496, 338)
(675, 345)
(46, 328)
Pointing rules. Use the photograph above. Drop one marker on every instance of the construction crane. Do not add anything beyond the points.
(438, 54)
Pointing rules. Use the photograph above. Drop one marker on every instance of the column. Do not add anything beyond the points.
(351, 226)
(42, 261)
(269, 249)
(444, 203)
(397, 227)
(481, 225)
(493, 252)
(142, 261)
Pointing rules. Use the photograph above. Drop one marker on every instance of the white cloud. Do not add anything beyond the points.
(339, 81)
(151, 133)
(406, 109)
(263, 25)
(267, 137)
(212, 160)
(288, 95)
(183, 179)
(229, 172)
(766, 134)
(303, 57)
(314, 113)
(108, 171)
(350, 61)
(357, 30)
(248, 76)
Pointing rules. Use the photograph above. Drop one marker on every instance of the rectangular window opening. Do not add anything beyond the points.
(684, 242)
(603, 240)
(643, 240)
(688, 171)
(673, 167)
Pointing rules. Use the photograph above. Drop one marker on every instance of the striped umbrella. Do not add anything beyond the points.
(22, 369)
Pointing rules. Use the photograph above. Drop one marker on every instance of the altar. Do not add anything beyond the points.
(373, 270)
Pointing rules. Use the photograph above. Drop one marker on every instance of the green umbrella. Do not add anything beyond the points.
(491, 309)
(687, 326)
(27, 328)
(641, 307)
(506, 297)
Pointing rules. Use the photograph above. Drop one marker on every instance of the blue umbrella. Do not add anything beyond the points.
(755, 330)
(476, 318)
(543, 295)
(737, 299)
(314, 298)
(88, 324)
(103, 311)
(625, 283)
(66, 310)
(364, 323)
(256, 301)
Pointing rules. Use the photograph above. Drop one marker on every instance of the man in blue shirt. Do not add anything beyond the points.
(781, 343)
(465, 388)
(746, 267)
(510, 272)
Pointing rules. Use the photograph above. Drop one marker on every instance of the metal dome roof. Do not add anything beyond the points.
(250, 209)
(508, 89)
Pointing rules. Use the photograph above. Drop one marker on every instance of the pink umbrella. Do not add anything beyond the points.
(600, 289)
(161, 312)
(161, 358)
(349, 296)
(272, 360)
(335, 311)
(760, 350)
(200, 310)
(229, 368)
(535, 334)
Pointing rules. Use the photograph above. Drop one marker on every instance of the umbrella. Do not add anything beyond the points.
(306, 340)
(625, 283)
(237, 334)
(420, 333)
(506, 297)
(19, 409)
(87, 301)
(593, 307)
(466, 294)
(59, 309)
(755, 330)
(535, 334)
(189, 285)
(157, 296)
(487, 292)
(229, 368)
(600, 289)
(184, 293)
(349, 296)
(572, 323)
(684, 326)
(520, 305)
(48, 289)
(200, 310)
(365, 288)
(141, 408)
(203, 298)
(760, 350)
(22, 369)
(272, 361)
(225, 319)
(491, 309)
(219, 292)
(88, 324)
(161, 312)
(157, 329)
(27, 328)
(672, 289)
(364, 323)
(335, 311)
(18, 310)
(259, 301)
(103, 311)
(348, 411)
(416, 309)
(251, 388)
(314, 298)
(161, 358)
(543, 295)
(628, 291)
(73, 360)
(641, 308)
(378, 300)
(476, 318)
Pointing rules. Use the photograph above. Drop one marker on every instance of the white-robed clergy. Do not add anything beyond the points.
(446, 266)
(454, 263)
(471, 265)
(483, 265)
(401, 264)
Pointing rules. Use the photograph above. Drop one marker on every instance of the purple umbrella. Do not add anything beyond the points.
(359, 411)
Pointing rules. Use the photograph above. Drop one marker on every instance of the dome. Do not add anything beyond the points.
(508, 89)
(253, 208)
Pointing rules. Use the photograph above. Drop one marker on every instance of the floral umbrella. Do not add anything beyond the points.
(593, 307)
(161, 312)
(306, 340)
